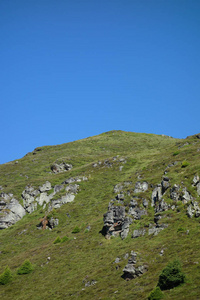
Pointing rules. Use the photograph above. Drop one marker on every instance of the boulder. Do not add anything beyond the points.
(165, 184)
(175, 192)
(138, 232)
(11, 211)
(115, 222)
(195, 180)
(198, 189)
(131, 270)
(45, 187)
(156, 195)
(62, 167)
(141, 187)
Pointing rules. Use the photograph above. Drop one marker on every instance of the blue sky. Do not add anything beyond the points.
(73, 69)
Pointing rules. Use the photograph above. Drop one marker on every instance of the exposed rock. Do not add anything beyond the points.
(137, 212)
(195, 180)
(156, 195)
(141, 187)
(175, 192)
(62, 167)
(165, 184)
(155, 229)
(161, 206)
(58, 188)
(48, 223)
(185, 196)
(45, 187)
(145, 203)
(193, 210)
(90, 283)
(11, 211)
(120, 197)
(115, 222)
(138, 232)
(198, 189)
(132, 271)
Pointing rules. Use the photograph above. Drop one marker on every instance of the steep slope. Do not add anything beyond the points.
(116, 169)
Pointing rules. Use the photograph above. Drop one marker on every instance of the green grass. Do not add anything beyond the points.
(87, 255)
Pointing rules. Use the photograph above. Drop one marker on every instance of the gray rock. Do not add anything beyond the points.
(11, 212)
(198, 189)
(58, 188)
(62, 167)
(141, 187)
(45, 187)
(195, 180)
(185, 197)
(131, 271)
(137, 213)
(138, 232)
(175, 192)
(161, 206)
(155, 229)
(145, 203)
(193, 209)
(165, 184)
(156, 195)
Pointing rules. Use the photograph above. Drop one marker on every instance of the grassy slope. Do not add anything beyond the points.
(90, 256)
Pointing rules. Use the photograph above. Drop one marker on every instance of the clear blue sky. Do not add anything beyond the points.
(71, 69)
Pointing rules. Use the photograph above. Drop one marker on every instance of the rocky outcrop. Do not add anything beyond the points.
(115, 222)
(131, 270)
(155, 229)
(141, 187)
(62, 167)
(11, 210)
(34, 197)
(193, 210)
(138, 232)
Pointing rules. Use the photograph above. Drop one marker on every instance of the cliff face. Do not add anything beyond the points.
(120, 206)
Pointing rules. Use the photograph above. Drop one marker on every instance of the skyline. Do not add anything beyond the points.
(73, 69)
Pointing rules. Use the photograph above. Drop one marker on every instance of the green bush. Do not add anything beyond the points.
(64, 239)
(57, 240)
(156, 294)
(76, 229)
(184, 164)
(25, 268)
(176, 153)
(6, 276)
(171, 276)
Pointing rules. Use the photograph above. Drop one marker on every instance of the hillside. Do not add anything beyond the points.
(108, 198)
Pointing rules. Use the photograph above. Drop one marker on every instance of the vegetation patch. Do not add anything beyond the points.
(171, 276)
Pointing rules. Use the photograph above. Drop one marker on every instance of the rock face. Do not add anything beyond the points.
(10, 210)
(193, 210)
(115, 222)
(34, 197)
(141, 187)
(131, 270)
(62, 167)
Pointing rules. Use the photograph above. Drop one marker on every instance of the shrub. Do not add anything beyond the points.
(156, 294)
(25, 268)
(76, 229)
(57, 240)
(171, 276)
(176, 153)
(6, 276)
(64, 239)
(184, 164)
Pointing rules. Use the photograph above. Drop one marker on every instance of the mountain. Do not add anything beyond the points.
(100, 218)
